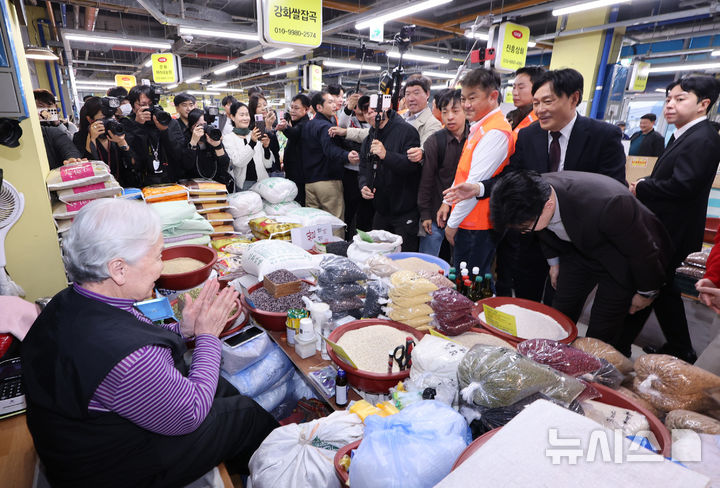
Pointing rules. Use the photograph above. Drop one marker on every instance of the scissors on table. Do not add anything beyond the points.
(402, 355)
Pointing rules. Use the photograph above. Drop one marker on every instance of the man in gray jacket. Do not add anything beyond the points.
(419, 115)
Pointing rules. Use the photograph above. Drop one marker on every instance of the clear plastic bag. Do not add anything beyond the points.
(672, 384)
(235, 359)
(416, 447)
(452, 324)
(345, 304)
(602, 350)
(375, 291)
(380, 265)
(497, 377)
(407, 313)
(338, 269)
(685, 419)
(606, 375)
(339, 291)
(559, 356)
(279, 392)
(261, 375)
(447, 300)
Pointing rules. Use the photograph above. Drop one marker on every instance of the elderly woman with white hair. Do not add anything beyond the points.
(110, 400)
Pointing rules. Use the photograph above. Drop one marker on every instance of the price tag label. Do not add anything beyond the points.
(341, 353)
(306, 237)
(500, 320)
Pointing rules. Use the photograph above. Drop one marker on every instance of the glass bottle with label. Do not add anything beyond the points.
(341, 388)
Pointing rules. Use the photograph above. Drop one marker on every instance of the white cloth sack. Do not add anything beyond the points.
(244, 203)
(265, 256)
(282, 208)
(240, 224)
(301, 455)
(359, 251)
(307, 216)
(276, 190)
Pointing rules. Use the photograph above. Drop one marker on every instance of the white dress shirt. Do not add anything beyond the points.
(487, 157)
(563, 140)
(556, 226)
(684, 128)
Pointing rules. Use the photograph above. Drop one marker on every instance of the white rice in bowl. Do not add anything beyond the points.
(368, 347)
(532, 324)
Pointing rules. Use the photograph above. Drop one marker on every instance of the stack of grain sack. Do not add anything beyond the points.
(278, 195)
(339, 285)
(211, 200)
(182, 225)
(409, 296)
(245, 206)
(75, 185)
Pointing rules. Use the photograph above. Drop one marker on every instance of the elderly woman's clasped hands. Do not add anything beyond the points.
(209, 312)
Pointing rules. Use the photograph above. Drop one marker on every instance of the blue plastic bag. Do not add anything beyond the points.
(261, 375)
(416, 447)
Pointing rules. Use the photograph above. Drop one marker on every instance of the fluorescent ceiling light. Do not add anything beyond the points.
(148, 63)
(483, 36)
(40, 54)
(92, 88)
(418, 57)
(232, 90)
(684, 67)
(411, 9)
(334, 63)
(194, 79)
(660, 90)
(225, 69)
(225, 34)
(580, 7)
(277, 53)
(202, 92)
(511, 81)
(152, 43)
(219, 84)
(438, 87)
(95, 83)
(439, 74)
(283, 70)
(715, 53)
(532, 43)
(172, 87)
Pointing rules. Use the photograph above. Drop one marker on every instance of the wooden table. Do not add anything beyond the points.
(17, 453)
(307, 365)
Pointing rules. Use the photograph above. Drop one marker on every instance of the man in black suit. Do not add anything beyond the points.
(595, 233)
(677, 192)
(560, 140)
(646, 141)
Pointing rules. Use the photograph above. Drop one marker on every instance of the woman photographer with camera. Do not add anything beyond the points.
(248, 151)
(205, 155)
(102, 138)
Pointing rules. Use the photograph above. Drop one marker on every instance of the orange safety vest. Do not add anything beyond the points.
(531, 117)
(479, 218)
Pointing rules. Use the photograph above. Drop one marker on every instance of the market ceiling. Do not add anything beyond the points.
(441, 31)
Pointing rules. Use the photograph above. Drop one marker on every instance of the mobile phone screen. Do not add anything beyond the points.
(243, 336)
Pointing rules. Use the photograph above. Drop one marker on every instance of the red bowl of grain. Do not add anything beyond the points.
(189, 279)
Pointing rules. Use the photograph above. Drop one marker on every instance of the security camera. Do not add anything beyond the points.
(187, 38)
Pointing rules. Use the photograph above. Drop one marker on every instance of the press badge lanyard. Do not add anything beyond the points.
(156, 160)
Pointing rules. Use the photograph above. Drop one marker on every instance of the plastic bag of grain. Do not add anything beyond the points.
(77, 174)
(602, 350)
(435, 361)
(384, 242)
(62, 211)
(244, 203)
(276, 190)
(282, 208)
(626, 392)
(108, 188)
(262, 374)
(302, 455)
(307, 216)
(401, 314)
(496, 377)
(685, 419)
(264, 257)
(671, 384)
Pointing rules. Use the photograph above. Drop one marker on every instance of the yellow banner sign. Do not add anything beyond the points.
(512, 46)
(164, 68)
(125, 81)
(292, 22)
(639, 77)
(500, 320)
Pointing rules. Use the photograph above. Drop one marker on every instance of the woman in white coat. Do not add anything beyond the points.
(249, 158)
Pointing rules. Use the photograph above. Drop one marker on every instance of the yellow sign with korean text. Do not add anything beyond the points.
(500, 320)
(125, 81)
(341, 353)
(165, 68)
(512, 47)
(639, 76)
(291, 22)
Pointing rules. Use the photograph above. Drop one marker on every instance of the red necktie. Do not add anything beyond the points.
(554, 153)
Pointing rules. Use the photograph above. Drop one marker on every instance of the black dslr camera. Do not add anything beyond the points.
(211, 131)
(156, 110)
(108, 107)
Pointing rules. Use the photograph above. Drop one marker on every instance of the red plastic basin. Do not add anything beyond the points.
(495, 302)
(185, 281)
(340, 472)
(365, 380)
(270, 320)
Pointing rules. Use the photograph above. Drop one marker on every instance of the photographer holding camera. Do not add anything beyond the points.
(102, 138)
(205, 155)
(157, 150)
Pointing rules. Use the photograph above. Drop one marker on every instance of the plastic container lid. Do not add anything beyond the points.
(306, 328)
(476, 270)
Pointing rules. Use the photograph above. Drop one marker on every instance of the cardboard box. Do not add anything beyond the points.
(637, 167)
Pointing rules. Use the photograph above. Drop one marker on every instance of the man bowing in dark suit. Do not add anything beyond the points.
(677, 192)
(594, 232)
(560, 140)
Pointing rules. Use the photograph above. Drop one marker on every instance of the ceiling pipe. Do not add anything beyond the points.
(164, 19)
(104, 63)
(51, 16)
(627, 23)
(90, 18)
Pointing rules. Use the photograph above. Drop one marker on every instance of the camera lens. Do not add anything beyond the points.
(213, 133)
(114, 126)
(162, 116)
